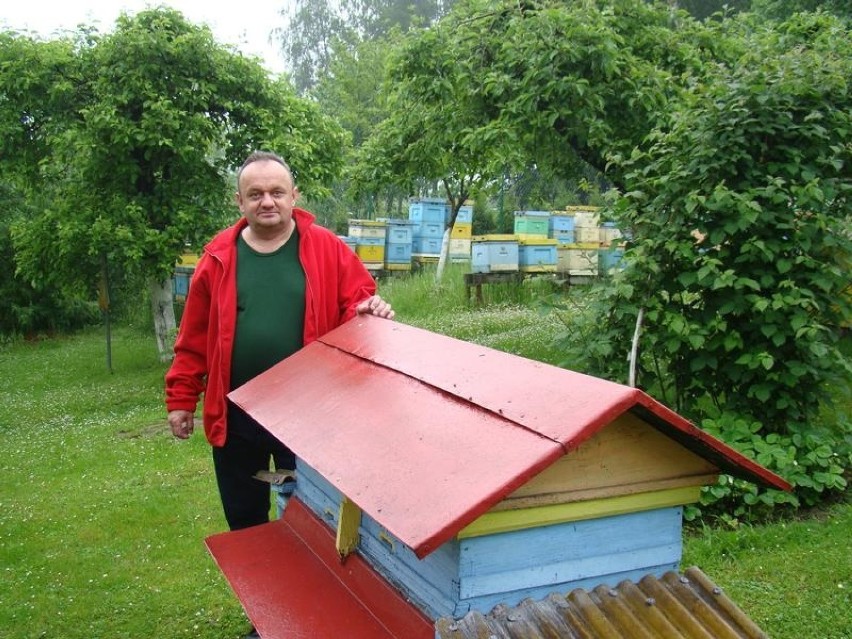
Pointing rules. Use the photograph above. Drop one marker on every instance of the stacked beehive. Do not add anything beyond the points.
(430, 219)
(461, 235)
(536, 249)
(611, 251)
(494, 254)
(580, 255)
(369, 236)
(398, 245)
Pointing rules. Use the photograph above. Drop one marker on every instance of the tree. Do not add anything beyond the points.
(38, 88)
(165, 114)
(783, 9)
(740, 214)
(316, 29)
(499, 86)
(432, 130)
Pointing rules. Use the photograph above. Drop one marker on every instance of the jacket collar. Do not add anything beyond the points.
(221, 245)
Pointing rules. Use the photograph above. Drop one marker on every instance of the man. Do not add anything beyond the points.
(263, 288)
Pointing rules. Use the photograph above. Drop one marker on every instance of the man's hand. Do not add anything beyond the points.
(182, 423)
(375, 306)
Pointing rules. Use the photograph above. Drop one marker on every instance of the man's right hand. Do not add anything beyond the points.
(182, 423)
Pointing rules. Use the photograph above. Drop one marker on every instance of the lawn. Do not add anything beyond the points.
(103, 513)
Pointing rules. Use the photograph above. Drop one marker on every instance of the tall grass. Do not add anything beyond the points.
(103, 513)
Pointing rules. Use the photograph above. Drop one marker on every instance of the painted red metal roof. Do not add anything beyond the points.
(292, 584)
(426, 432)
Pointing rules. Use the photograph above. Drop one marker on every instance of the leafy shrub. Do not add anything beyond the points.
(740, 259)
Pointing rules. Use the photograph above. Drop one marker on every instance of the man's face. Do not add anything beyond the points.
(266, 196)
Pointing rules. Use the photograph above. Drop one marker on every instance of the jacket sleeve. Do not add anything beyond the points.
(186, 378)
(355, 283)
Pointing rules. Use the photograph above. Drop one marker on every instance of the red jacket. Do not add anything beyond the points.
(335, 282)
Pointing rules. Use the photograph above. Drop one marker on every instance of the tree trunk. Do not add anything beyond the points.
(445, 250)
(163, 310)
(104, 304)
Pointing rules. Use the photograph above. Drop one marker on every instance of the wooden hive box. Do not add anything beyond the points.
(452, 478)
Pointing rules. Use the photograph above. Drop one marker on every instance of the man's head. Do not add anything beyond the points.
(266, 193)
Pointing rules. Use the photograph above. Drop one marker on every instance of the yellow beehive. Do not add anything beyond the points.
(462, 231)
(371, 252)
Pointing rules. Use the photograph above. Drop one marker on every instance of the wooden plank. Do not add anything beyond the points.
(431, 583)
(486, 603)
(567, 552)
(348, 522)
(317, 494)
(299, 588)
(425, 585)
(519, 519)
(621, 459)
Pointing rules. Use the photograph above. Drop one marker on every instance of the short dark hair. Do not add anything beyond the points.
(258, 156)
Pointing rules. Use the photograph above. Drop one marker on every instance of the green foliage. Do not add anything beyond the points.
(740, 256)
(784, 9)
(318, 30)
(25, 309)
(814, 459)
(125, 145)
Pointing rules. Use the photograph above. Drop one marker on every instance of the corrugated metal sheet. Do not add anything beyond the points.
(425, 433)
(687, 606)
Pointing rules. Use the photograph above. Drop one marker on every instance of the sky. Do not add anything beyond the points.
(245, 24)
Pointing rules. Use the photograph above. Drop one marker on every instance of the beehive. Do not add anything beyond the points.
(367, 229)
(531, 224)
(490, 482)
(428, 210)
(578, 259)
(494, 254)
(537, 255)
(561, 227)
(610, 259)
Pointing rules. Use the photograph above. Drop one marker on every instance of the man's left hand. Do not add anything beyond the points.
(375, 305)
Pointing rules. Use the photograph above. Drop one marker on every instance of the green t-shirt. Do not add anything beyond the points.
(270, 308)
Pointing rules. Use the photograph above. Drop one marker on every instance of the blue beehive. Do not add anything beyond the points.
(561, 228)
(494, 254)
(610, 259)
(400, 231)
(426, 245)
(398, 253)
(537, 255)
(428, 210)
(399, 244)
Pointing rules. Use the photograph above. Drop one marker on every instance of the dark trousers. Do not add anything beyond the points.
(248, 448)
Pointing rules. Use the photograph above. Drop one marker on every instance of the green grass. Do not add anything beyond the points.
(792, 577)
(103, 513)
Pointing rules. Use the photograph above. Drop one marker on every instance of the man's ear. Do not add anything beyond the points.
(296, 194)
